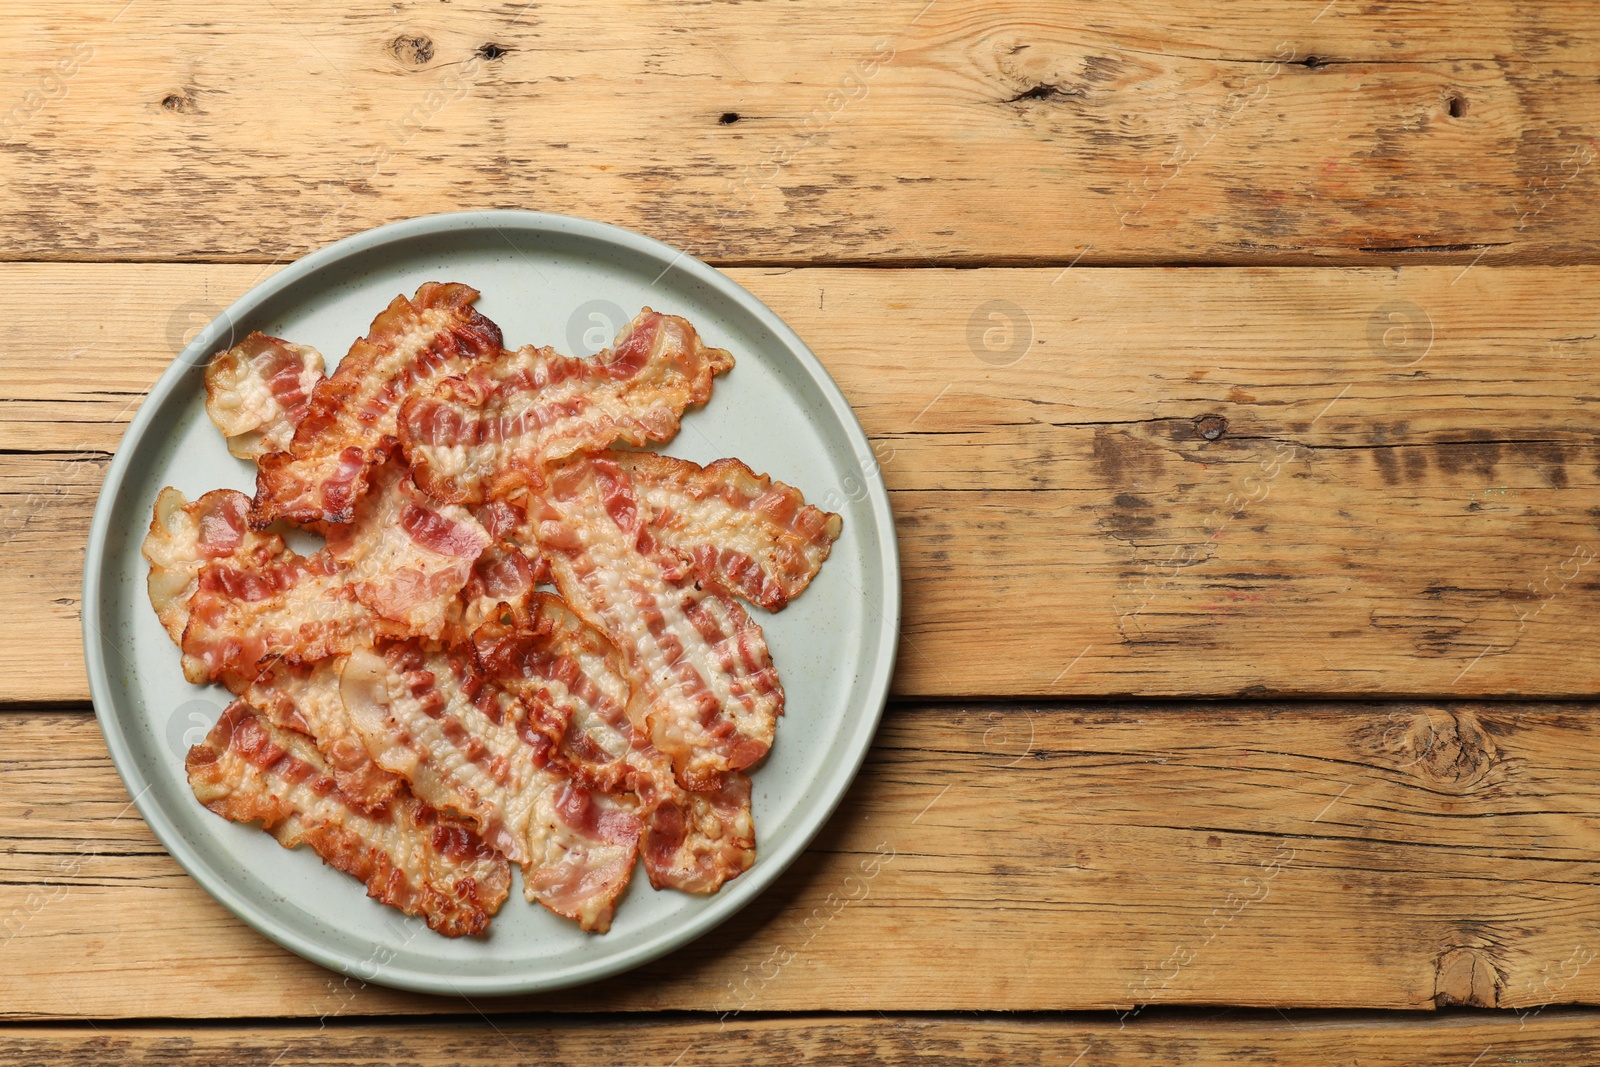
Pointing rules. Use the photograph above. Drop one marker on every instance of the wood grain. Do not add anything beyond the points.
(968, 131)
(1220, 482)
(1492, 1041)
(988, 858)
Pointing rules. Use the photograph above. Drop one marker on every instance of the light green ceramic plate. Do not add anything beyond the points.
(547, 279)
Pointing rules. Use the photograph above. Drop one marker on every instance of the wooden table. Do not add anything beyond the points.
(1232, 369)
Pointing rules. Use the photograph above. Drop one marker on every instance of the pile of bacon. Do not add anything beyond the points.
(411, 703)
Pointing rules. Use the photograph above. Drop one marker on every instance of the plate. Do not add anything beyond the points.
(548, 279)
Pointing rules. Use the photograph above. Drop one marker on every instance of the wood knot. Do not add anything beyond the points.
(413, 49)
(1449, 748)
(181, 102)
(1211, 427)
(1468, 977)
(729, 118)
(1046, 92)
(491, 51)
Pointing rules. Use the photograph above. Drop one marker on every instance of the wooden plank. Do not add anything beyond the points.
(968, 131)
(1554, 1037)
(1025, 858)
(1190, 482)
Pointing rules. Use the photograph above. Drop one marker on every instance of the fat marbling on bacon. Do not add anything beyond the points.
(349, 425)
(258, 391)
(494, 429)
(468, 744)
(692, 654)
(408, 854)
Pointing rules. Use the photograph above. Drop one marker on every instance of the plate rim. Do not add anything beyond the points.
(769, 867)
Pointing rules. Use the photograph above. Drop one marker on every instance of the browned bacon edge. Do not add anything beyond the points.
(248, 770)
(794, 537)
(360, 434)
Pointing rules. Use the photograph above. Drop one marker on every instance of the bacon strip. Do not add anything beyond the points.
(693, 656)
(493, 429)
(691, 841)
(184, 537)
(235, 597)
(571, 678)
(469, 746)
(307, 699)
(742, 530)
(295, 608)
(589, 846)
(406, 556)
(409, 855)
(351, 420)
(258, 391)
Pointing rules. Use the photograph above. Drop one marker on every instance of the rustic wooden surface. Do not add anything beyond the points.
(1354, 458)
(1040, 857)
(1554, 1037)
(1414, 519)
(830, 131)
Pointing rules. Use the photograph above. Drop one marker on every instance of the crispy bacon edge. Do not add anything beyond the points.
(248, 770)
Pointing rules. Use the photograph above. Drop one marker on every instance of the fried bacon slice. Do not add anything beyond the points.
(484, 433)
(184, 537)
(258, 391)
(285, 607)
(409, 855)
(306, 699)
(691, 841)
(506, 573)
(406, 557)
(237, 597)
(754, 536)
(349, 425)
(693, 656)
(469, 746)
(572, 680)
